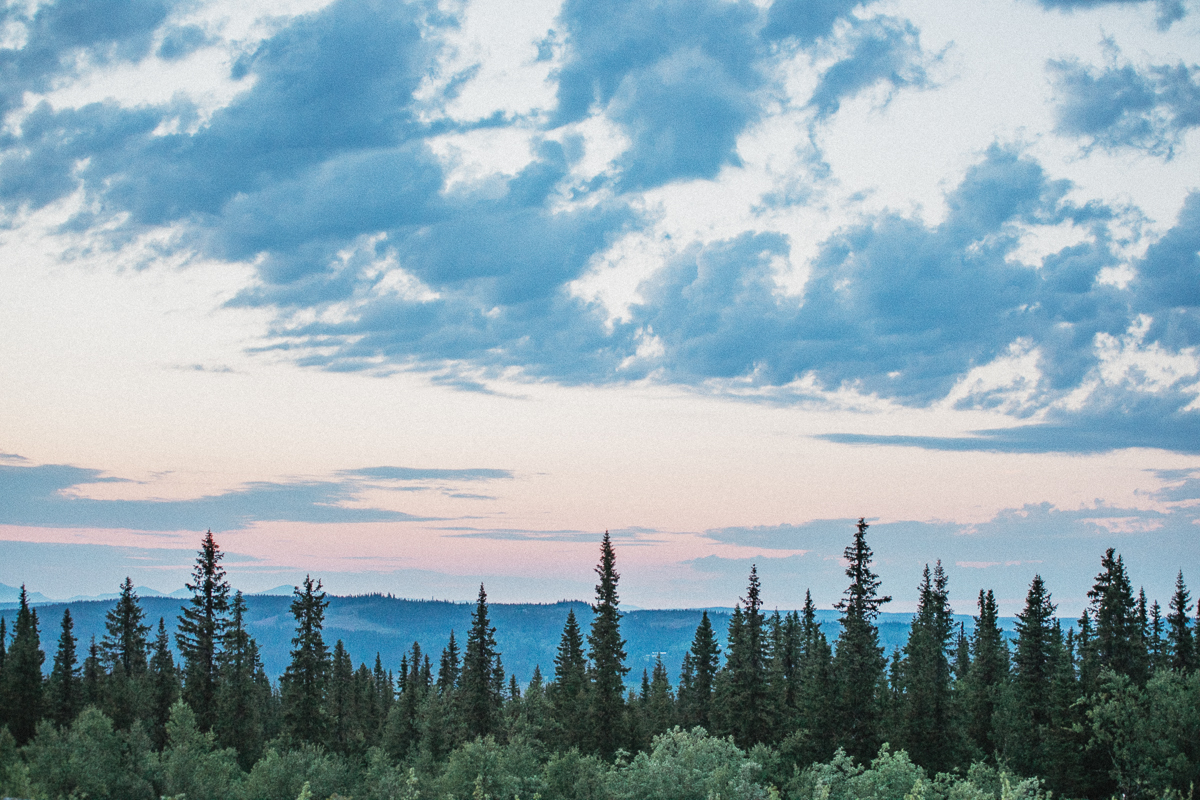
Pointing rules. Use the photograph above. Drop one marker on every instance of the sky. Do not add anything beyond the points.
(413, 296)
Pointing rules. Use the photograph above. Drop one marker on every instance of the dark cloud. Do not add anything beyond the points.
(46, 496)
(679, 76)
(1169, 11)
(1123, 107)
(884, 50)
(63, 34)
(805, 20)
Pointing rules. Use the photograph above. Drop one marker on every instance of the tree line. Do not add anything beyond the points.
(1109, 705)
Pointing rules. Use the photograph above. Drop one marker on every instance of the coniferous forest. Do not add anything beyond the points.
(1104, 706)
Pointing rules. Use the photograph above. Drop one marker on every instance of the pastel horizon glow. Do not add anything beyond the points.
(414, 296)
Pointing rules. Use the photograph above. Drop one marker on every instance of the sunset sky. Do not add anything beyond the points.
(416, 295)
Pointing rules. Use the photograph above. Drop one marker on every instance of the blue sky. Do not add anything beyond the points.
(423, 280)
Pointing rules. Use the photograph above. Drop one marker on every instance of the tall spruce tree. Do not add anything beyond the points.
(164, 686)
(744, 702)
(304, 682)
(859, 663)
(926, 717)
(987, 677)
(815, 693)
(606, 705)
(697, 676)
(125, 644)
(22, 676)
(448, 667)
(1034, 663)
(200, 628)
(481, 683)
(64, 693)
(241, 705)
(569, 691)
(1119, 642)
(1181, 649)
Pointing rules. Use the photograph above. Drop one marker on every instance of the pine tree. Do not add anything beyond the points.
(744, 697)
(697, 676)
(22, 677)
(660, 704)
(93, 679)
(815, 693)
(987, 677)
(1034, 662)
(1119, 643)
(448, 667)
(344, 734)
(199, 632)
(241, 704)
(65, 694)
(479, 691)
(304, 682)
(124, 644)
(607, 652)
(1181, 648)
(569, 690)
(1156, 642)
(163, 686)
(859, 662)
(927, 721)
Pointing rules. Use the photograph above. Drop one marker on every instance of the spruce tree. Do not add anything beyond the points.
(926, 716)
(22, 676)
(92, 679)
(65, 694)
(660, 703)
(1181, 648)
(1034, 662)
(697, 676)
(480, 694)
(448, 667)
(303, 685)
(344, 735)
(124, 644)
(164, 688)
(859, 663)
(241, 704)
(200, 628)
(815, 692)
(743, 699)
(569, 691)
(987, 677)
(606, 705)
(1119, 642)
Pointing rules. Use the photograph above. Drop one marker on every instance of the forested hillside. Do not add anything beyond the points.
(765, 704)
(526, 633)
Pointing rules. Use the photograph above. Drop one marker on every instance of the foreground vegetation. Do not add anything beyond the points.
(1108, 706)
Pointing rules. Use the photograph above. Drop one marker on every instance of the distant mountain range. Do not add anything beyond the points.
(527, 634)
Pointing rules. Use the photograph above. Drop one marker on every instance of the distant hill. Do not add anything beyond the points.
(11, 596)
(527, 634)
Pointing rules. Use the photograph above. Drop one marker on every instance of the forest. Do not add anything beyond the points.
(1104, 706)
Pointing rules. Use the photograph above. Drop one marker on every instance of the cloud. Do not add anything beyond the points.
(883, 50)
(805, 20)
(678, 76)
(1123, 107)
(49, 496)
(1169, 11)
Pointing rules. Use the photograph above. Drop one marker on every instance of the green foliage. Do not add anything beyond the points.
(90, 759)
(482, 768)
(742, 689)
(698, 675)
(191, 764)
(570, 775)
(384, 780)
(481, 682)
(64, 693)
(14, 774)
(1149, 734)
(926, 720)
(124, 643)
(283, 774)
(683, 765)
